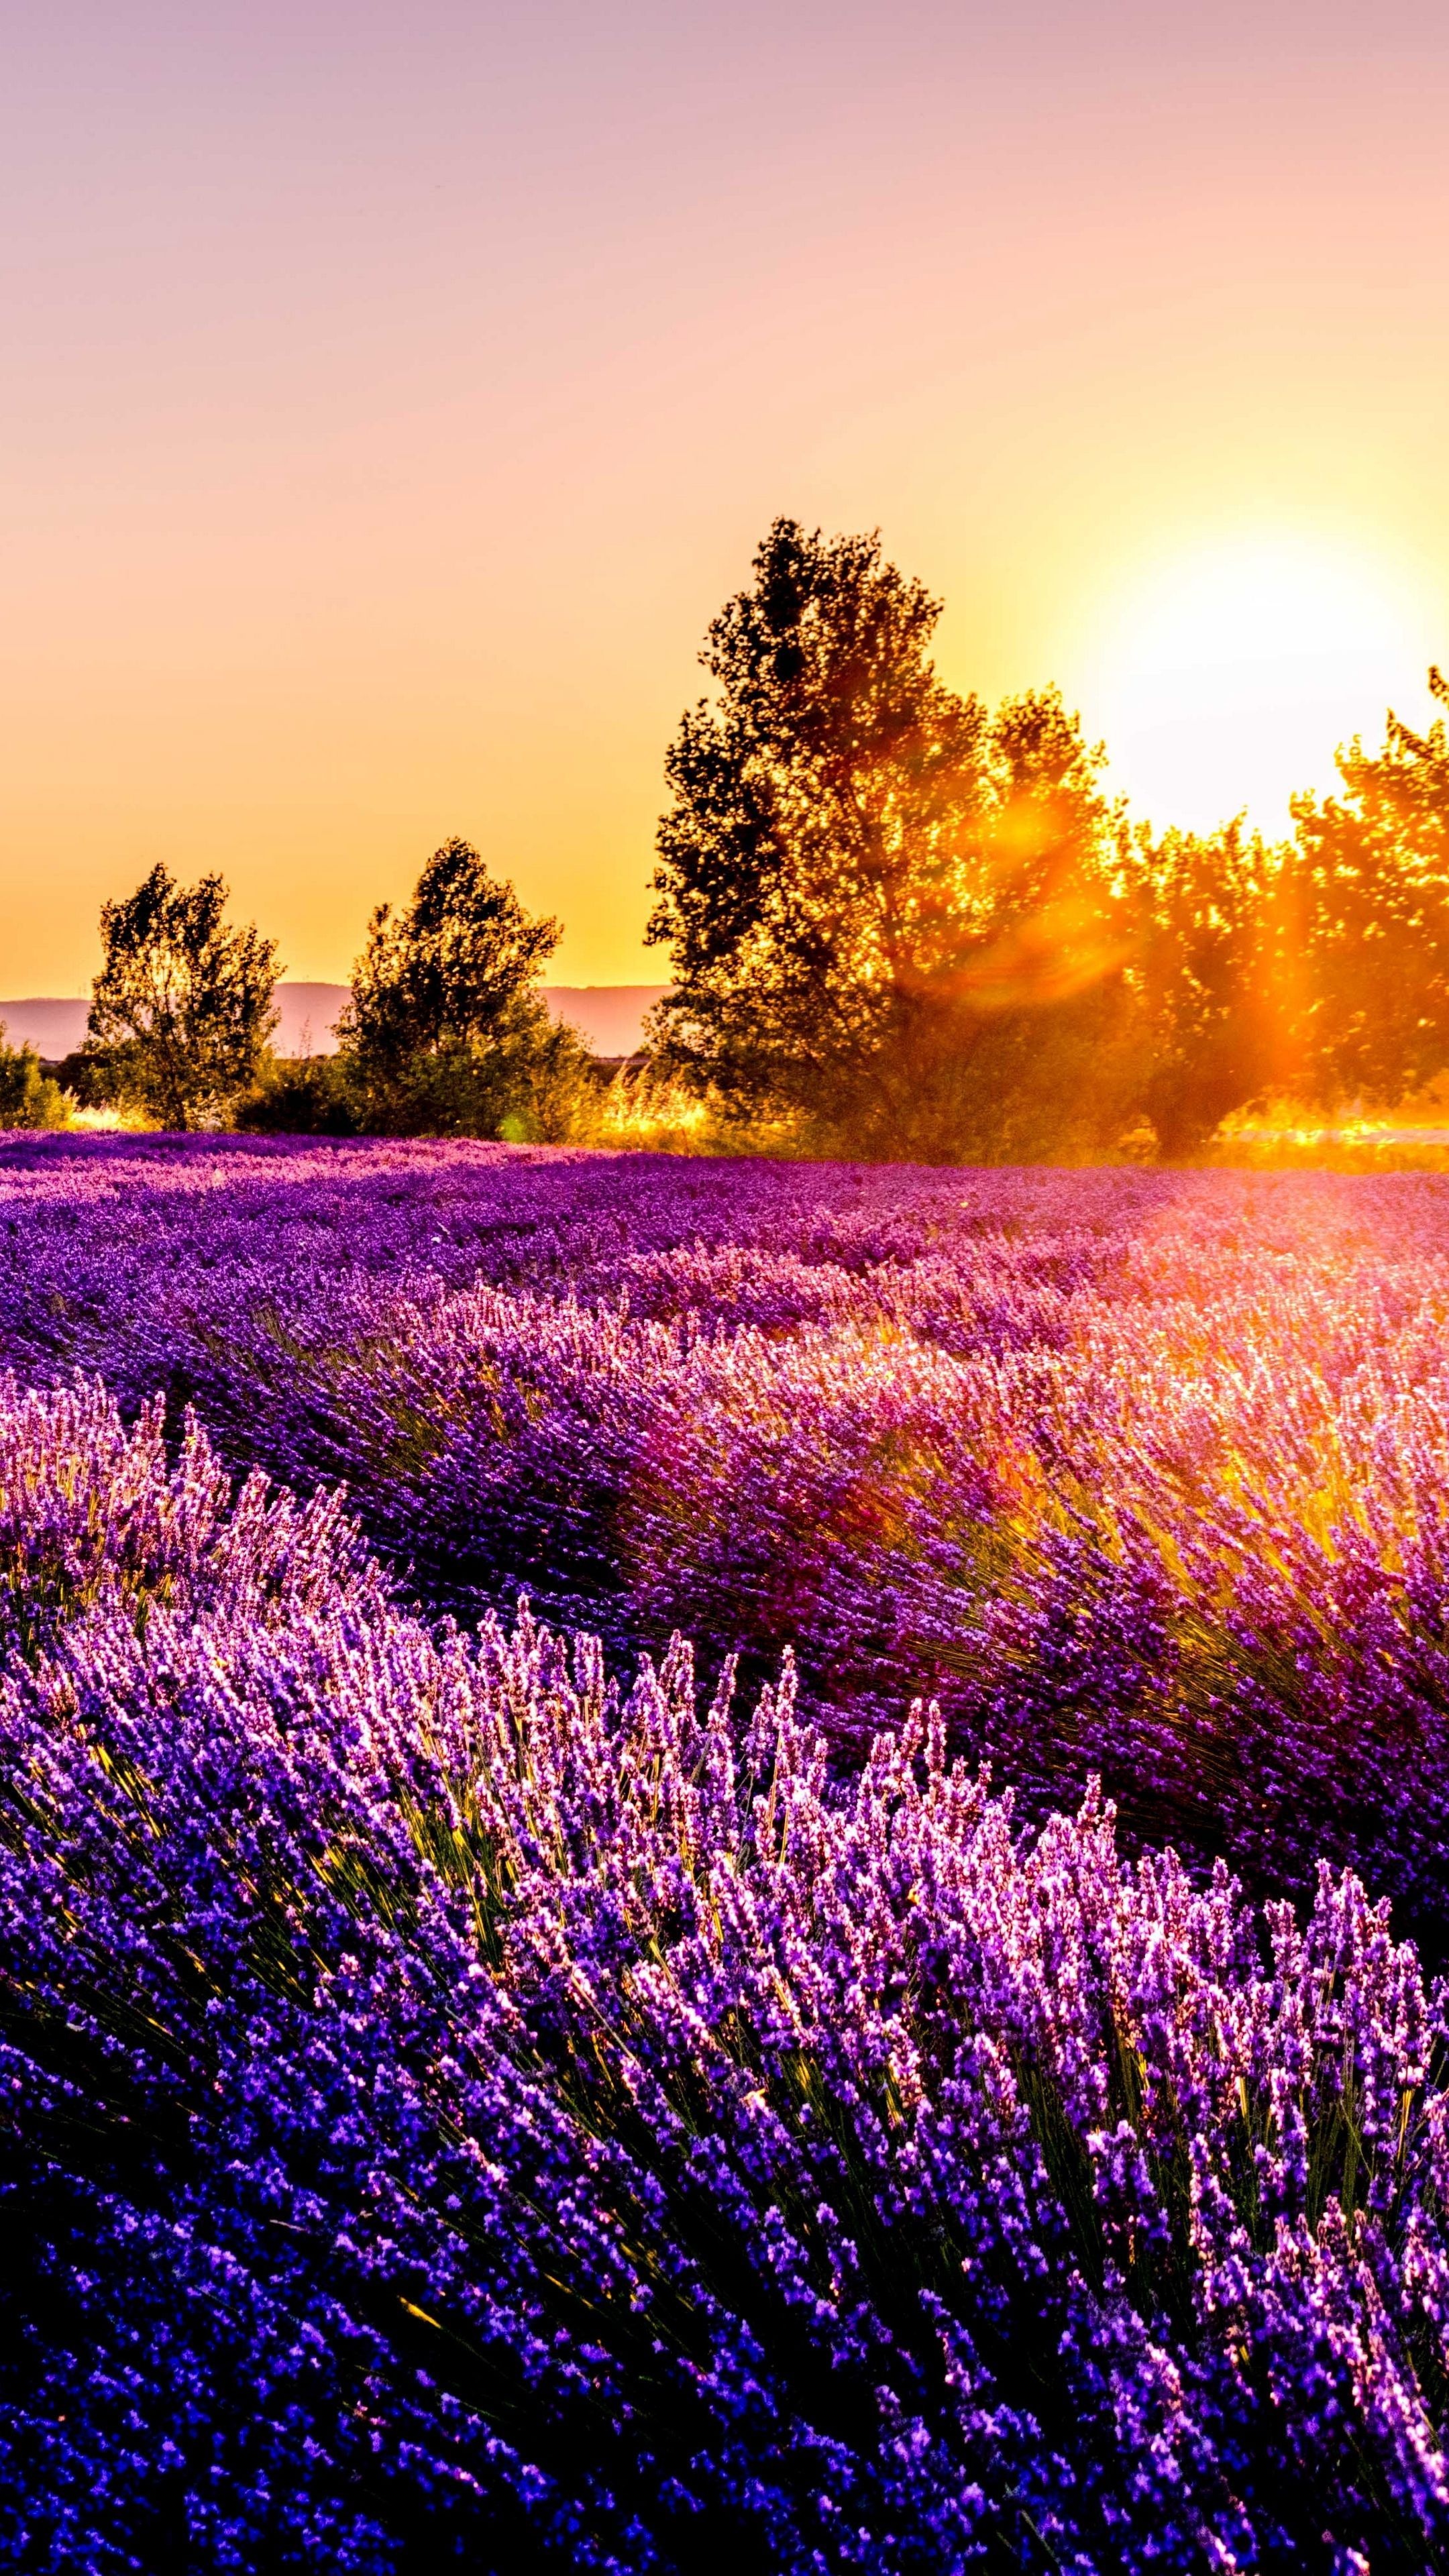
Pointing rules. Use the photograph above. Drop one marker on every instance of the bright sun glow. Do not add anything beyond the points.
(1228, 676)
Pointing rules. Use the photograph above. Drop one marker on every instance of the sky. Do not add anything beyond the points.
(389, 397)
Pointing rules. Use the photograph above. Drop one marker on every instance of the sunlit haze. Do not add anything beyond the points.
(392, 395)
(1226, 675)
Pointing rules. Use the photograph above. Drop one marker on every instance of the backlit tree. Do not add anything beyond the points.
(182, 1008)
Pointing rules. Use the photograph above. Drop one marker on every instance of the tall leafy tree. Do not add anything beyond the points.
(182, 1008)
(872, 890)
(1368, 883)
(447, 1031)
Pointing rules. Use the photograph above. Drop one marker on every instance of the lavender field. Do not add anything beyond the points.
(943, 2066)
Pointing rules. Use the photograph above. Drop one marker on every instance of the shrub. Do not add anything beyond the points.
(29, 1096)
(308, 1095)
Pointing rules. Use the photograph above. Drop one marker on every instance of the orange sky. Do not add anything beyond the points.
(391, 396)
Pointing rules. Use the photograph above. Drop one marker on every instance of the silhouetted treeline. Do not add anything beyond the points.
(901, 924)
(913, 926)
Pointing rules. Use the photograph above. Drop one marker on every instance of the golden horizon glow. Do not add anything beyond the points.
(394, 396)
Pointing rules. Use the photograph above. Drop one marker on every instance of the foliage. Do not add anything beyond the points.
(1208, 955)
(643, 1108)
(1315, 972)
(452, 2112)
(447, 1032)
(310, 1095)
(80, 1075)
(29, 1096)
(182, 1007)
(888, 913)
(1368, 883)
(912, 929)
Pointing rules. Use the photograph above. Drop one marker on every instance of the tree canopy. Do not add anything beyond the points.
(1204, 975)
(915, 926)
(447, 1031)
(871, 887)
(182, 1008)
(901, 923)
(1367, 898)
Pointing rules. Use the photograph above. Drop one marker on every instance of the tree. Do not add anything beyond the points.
(182, 1007)
(1368, 881)
(447, 1031)
(872, 891)
(29, 1096)
(1217, 1022)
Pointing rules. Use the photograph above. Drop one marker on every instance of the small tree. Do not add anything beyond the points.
(182, 1008)
(29, 1096)
(447, 1031)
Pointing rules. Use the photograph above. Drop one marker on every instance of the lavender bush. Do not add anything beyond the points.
(461, 2106)
(1138, 1475)
(456, 2114)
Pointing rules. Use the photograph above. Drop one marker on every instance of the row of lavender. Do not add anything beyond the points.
(451, 2114)
(1138, 1475)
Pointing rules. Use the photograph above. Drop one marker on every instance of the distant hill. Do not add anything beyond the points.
(52, 1028)
(610, 1016)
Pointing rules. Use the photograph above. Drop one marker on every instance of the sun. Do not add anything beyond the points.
(1226, 677)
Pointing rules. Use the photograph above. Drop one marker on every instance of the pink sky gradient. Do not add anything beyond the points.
(390, 396)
